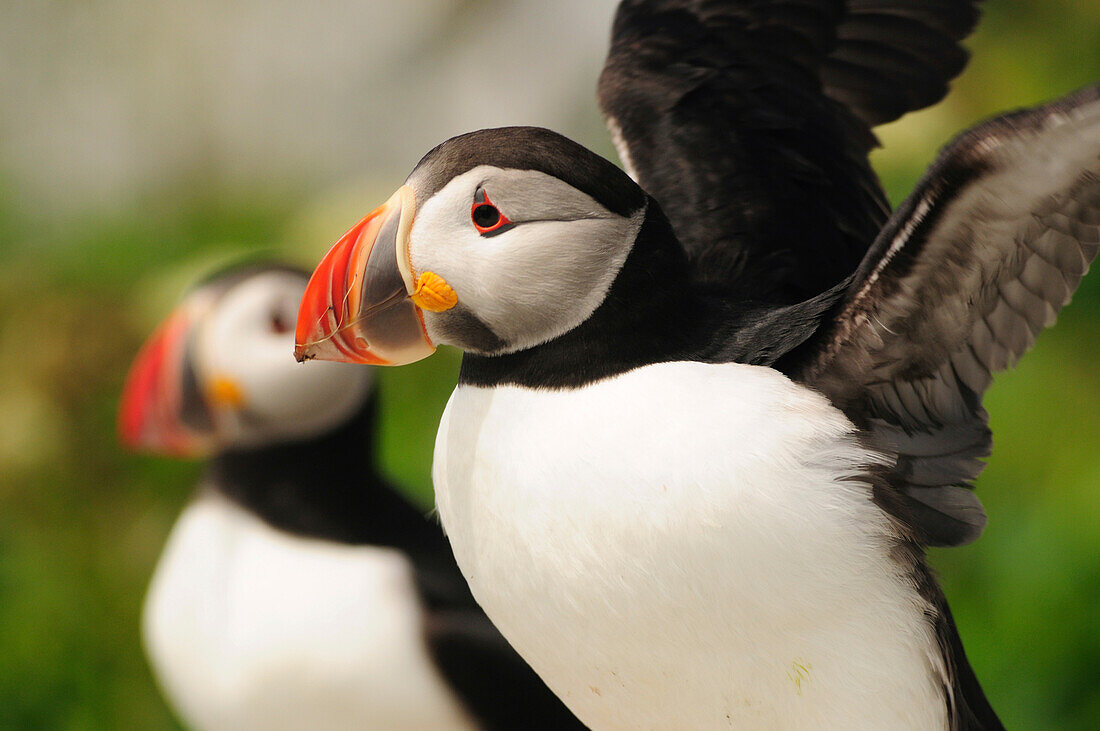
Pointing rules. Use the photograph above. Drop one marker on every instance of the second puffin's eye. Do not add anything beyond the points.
(278, 323)
(487, 217)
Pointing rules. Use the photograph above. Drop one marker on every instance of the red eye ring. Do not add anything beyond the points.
(484, 214)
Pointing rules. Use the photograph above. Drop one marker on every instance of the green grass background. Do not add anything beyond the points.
(81, 522)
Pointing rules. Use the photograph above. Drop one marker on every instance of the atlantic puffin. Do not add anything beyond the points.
(298, 590)
(706, 426)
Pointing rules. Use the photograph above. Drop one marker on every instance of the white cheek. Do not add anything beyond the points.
(283, 399)
(548, 277)
(533, 282)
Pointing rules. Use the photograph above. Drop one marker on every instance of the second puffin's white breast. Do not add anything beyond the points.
(248, 627)
(681, 547)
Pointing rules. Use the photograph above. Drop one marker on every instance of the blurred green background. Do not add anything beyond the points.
(91, 257)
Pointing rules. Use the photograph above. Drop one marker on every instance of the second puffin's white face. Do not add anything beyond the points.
(530, 275)
(243, 362)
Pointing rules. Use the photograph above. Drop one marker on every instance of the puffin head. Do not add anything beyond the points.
(216, 375)
(499, 240)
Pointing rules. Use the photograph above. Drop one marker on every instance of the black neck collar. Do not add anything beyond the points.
(659, 309)
(326, 487)
(645, 318)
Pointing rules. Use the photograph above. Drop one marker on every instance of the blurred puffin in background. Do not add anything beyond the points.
(298, 590)
(705, 426)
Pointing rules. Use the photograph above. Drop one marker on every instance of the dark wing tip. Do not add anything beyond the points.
(897, 56)
(945, 516)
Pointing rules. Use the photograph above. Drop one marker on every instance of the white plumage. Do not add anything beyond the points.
(683, 546)
(249, 627)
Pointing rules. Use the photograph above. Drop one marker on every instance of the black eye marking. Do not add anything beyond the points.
(487, 218)
(278, 324)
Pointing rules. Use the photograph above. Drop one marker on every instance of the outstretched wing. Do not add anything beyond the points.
(750, 123)
(973, 265)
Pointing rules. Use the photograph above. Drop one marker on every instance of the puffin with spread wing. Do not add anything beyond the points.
(707, 423)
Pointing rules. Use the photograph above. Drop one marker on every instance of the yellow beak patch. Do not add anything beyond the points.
(433, 293)
(225, 392)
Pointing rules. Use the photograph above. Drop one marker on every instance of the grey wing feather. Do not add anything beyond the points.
(973, 265)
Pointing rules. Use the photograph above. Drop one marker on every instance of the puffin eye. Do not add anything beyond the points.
(487, 217)
(278, 324)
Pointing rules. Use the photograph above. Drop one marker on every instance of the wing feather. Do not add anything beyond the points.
(734, 114)
(981, 257)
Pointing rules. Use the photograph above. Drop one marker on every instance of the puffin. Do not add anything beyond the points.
(711, 413)
(298, 589)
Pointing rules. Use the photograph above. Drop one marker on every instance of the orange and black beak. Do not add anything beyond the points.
(363, 303)
(158, 394)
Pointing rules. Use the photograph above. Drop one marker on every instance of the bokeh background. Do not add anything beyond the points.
(142, 144)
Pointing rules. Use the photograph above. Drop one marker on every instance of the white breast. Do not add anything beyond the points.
(248, 627)
(679, 547)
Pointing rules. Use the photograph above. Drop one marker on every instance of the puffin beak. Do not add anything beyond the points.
(362, 304)
(154, 397)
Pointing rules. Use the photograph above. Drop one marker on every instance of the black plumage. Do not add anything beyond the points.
(328, 487)
(655, 311)
(750, 123)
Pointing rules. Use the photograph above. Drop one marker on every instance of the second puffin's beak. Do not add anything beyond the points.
(362, 304)
(156, 404)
